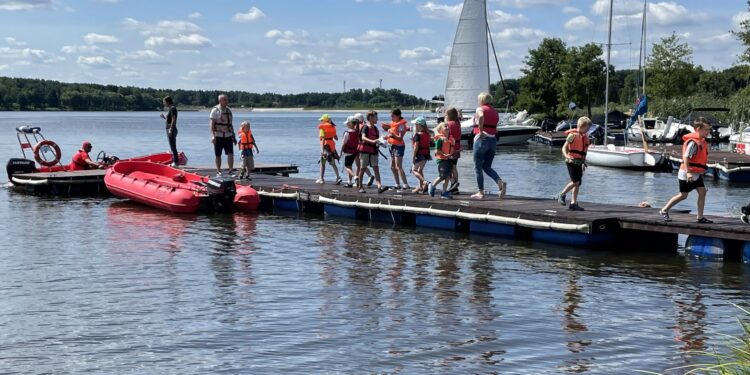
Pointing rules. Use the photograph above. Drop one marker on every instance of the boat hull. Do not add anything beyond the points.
(170, 189)
(621, 157)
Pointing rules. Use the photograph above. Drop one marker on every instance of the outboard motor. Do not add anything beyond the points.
(221, 192)
(18, 165)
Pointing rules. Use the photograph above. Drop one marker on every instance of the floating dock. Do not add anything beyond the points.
(601, 225)
(723, 165)
(549, 138)
(92, 181)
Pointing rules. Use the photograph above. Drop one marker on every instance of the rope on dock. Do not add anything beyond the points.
(488, 217)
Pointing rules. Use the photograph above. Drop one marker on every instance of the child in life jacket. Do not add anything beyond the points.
(396, 129)
(246, 144)
(444, 149)
(368, 151)
(574, 151)
(349, 146)
(690, 175)
(421, 146)
(328, 138)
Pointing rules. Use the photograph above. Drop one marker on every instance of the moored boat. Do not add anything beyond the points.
(175, 190)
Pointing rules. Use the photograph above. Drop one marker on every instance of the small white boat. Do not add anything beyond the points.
(623, 157)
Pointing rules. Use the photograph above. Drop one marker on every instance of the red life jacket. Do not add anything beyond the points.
(491, 119)
(423, 144)
(699, 161)
(370, 132)
(455, 128)
(350, 147)
(79, 161)
(580, 145)
(246, 140)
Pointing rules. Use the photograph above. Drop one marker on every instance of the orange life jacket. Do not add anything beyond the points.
(397, 128)
(580, 145)
(246, 140)
(446, 148)
(698, 163)
(328, 136)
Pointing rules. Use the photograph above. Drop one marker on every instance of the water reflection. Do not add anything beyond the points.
(572, 324)
(132, 227)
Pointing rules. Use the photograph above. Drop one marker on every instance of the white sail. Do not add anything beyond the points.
(469, 70)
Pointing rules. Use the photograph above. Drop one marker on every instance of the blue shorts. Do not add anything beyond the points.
(398, 150)
(247, 153)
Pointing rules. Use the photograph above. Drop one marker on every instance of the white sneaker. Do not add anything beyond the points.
(319, 181)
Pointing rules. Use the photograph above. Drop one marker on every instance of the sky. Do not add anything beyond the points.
(286, 46)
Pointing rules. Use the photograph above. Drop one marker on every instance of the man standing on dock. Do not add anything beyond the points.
(222, 133)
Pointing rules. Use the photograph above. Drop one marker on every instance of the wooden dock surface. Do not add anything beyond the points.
(549, 138)
(596, 215)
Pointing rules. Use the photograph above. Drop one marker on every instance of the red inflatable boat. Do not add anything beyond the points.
(175, 190)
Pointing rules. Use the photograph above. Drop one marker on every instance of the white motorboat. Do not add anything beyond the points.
(469, 75)
(740, 142)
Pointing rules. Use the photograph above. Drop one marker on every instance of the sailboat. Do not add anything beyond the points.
(469, 75)
(609, 155)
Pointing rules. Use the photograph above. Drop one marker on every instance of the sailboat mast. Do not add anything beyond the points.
(643, 45)
(606, 85)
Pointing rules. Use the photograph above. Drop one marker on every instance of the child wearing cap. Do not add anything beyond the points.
(444, 145)
(328, 138)
(421, 147)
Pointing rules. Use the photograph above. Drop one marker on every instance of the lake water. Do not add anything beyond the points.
(104, 286)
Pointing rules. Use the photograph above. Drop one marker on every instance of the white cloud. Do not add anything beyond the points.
(4, 67)
(145, 55)
(36, 55)
(416, 53)
(93, 38)
(287, 38)
(503, 19)
(89, 49)
(368, 39)
(570, 10)
(579, 23)
(194, 15)
(253, 14)
(440, 61)
(519, 36)
(530, 3)
(179, 42)
(432, 10)
(94, 61)
(14, 42)
(14, 5)
(162, 28)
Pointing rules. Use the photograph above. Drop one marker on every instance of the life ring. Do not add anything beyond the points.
(55, 148)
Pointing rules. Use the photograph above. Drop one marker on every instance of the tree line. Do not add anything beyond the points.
(38, 94)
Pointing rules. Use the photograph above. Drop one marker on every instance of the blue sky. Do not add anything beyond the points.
(297, 46)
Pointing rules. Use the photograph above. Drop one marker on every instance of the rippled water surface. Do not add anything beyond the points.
(100, 285)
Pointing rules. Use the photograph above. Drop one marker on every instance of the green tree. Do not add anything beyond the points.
(542, 70)
(582, 73)
(743, 34)
(670, 69)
